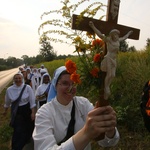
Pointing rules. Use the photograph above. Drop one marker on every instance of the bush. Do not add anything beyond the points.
(131, 75)
(3, 67)
(5, 133)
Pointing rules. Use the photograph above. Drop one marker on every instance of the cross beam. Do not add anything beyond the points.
(104, 26)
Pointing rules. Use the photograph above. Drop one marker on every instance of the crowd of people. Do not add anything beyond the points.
(25, 96)
(53, 116)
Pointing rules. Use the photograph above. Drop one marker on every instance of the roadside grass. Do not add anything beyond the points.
(5, 130)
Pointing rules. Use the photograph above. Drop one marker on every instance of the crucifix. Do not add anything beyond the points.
(112, 28)
(105, 26)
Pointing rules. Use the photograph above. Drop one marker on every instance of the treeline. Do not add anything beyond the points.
(12, 62)
(9, 63)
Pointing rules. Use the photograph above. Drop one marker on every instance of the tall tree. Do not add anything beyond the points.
(25, 59)
(46, 49)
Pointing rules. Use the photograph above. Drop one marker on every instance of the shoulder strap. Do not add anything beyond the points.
(21, 92)
(70, 131)
(31, 75)
(47, 89)
(20, 95)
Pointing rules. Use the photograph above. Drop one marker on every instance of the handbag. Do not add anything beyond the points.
(44, 95)
(14, 107)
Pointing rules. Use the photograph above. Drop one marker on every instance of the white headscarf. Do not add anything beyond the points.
(18, 74)
(45, 74)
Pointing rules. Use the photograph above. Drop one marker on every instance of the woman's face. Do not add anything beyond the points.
(64, 84)
(18, 79)
(24, 73)
(46, 79)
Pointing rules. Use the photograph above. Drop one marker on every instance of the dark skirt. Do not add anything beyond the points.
(23, 127)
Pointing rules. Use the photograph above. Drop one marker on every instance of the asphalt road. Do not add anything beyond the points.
(6, 77)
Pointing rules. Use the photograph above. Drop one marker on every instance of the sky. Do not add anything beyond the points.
(20, 20)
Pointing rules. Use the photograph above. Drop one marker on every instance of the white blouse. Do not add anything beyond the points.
(41, 89)
(52, 121)
(13, 92)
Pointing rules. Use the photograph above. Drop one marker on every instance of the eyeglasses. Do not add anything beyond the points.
(65, 84)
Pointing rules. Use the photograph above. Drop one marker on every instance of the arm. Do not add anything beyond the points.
(7, 103)
(126, 36)
(96, 123)
(91, 24)
(32, 102)
(33, 110)
(100, 120)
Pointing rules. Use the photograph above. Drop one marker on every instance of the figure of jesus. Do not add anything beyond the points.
(108, 64)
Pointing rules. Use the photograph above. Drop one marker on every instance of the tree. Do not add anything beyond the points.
(12, 62)
(46, 49)
(25, 59)
(39, 59)
(132, 49)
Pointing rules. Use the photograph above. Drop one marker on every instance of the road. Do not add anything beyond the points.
(6, 77)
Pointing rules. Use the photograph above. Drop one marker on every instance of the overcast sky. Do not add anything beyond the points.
(20, 19)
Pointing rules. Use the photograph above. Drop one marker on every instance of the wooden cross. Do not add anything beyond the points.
(106, 26)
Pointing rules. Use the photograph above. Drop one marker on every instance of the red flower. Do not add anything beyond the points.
(70, 66)
(75, 78)
(97, 42)
(97, 58)
(94, 72)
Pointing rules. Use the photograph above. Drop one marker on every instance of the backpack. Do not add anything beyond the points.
(145, 105)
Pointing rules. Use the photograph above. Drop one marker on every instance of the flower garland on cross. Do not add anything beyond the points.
(88, 73)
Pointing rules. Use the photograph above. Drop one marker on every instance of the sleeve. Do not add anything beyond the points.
(31, 97)
(68, 145)
(107, 142)
(37, 91)
(7, 100)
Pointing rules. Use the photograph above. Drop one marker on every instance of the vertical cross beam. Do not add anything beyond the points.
(112, 11)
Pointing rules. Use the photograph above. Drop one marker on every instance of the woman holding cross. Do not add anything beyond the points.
(70, 122)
